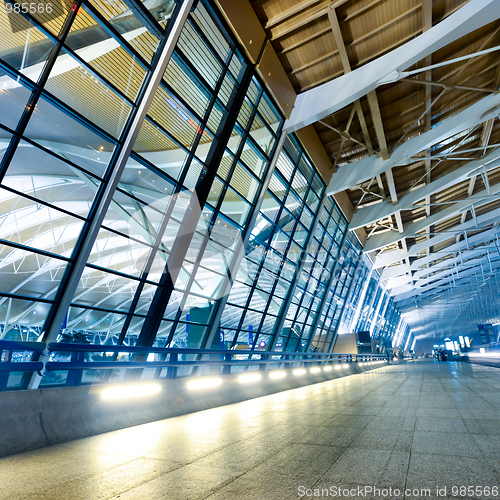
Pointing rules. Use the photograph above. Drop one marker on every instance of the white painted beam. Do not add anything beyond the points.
(388, 258)
(373, 213)
(367, 168)
(468, 269)
(381, 240)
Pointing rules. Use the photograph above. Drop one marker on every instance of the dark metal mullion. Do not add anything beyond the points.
(236, 157)
(42, 202)
(101, 309)
(116, 273)
(189, 284)
(191, 219)
(25, 297)
(277, 273)
(299, 306)
(246, 306)
(168, 214)
(145, 273)
(167, 218)
(306, 308)
(20, 246)
(241, 253)
(254, 284)
(323, 272)
(203, 123)
(203, 126)
(36, 93)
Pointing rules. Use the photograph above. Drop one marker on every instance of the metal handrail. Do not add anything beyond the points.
(60, 347)
(16, 345)
(77, 364)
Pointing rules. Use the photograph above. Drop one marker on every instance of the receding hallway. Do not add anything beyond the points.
(415, 425)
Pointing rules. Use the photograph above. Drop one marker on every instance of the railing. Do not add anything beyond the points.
(79, 364)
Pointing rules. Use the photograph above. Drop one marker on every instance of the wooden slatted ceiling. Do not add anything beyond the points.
(302, 36)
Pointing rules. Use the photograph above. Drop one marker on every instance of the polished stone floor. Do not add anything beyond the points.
(413, 426)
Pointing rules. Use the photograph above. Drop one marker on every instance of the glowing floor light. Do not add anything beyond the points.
(275, 375)
(204, 383)
(299, 371)
(315, 369)
(328, 368)
(249, 377)
(345, 366)
(130, 391)
(338, 367)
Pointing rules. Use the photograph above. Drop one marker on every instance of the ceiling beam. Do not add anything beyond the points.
(468, 269)
(304, 18)
(322, 101)
(286, 14)
(389, 258)
(410, 200)
(449, 86)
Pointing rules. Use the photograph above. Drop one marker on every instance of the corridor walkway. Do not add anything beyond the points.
(413, 426)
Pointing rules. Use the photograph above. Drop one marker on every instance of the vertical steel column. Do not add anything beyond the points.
(375, 316)
(370, 304)
(344, 305)
(382, 315)
(396, 332)
(240, 254)
(362, 298)
(81, 260)
(386, 327)
(302, 259)
(321, 306)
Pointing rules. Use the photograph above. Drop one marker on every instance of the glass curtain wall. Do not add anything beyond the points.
(320, 260)
(337, 293)
(366, 311)
(355, 297)
(184, 145)
(264, 281)
(70, 83)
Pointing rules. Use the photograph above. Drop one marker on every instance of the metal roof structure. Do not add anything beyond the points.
(404, 96)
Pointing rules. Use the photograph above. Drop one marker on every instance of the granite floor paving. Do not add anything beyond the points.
(412, 430)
